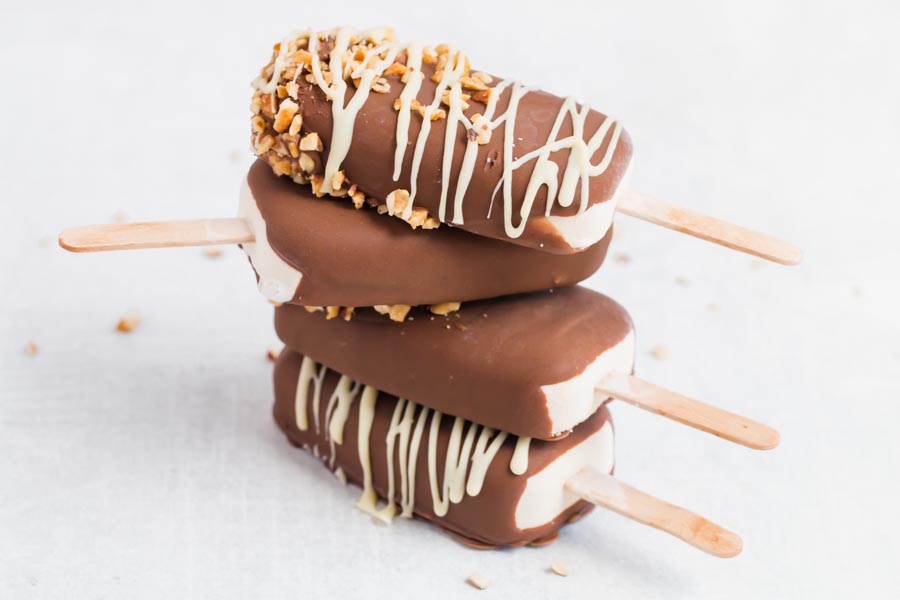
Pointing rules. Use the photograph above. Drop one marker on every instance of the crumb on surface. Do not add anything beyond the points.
(128, 322)
(31, 349)
(272, 353)
(659, 351)
(560, 569)
(478, 581)
(622, 258)
(212, 251)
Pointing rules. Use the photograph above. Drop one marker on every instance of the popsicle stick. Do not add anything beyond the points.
(159, 234)
(688, 411)
(658, 212)
(607, 491)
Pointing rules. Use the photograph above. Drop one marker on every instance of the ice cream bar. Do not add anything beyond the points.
(434, 141)
(480, 484)
(525, 364)
(323, 252)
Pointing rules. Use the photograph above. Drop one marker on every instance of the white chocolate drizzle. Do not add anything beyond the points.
(519, 462)
(471, 448)
(381, 54)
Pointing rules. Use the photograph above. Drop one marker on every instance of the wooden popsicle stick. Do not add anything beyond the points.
(688, 411)
(658, 212)
(158, 234)
(607, 491)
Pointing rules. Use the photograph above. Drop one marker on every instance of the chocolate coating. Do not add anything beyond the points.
(352, 257)
(485, 363)
(485, 520)
(370, 161)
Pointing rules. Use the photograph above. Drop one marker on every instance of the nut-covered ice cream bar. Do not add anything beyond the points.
(478, 483)
(414, 128)
(325, 253)
(526, 364)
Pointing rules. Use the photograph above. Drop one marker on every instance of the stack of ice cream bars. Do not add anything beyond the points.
(421, 228)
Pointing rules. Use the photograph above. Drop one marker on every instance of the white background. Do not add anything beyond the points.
(147, 465)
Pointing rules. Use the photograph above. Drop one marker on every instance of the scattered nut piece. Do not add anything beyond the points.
(272, 353)
(31, 349)
(312, 309)
(659, 351)
(477, 581)
(560, 569)
(399, 311)
(212, 251)
(382, 309)
(444, 308)
(332, 311)
(128, 322)
(348, 313)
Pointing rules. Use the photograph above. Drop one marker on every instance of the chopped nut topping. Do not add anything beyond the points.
(307, 164)
(332, 311)
(258, 124)
(396, 201)
(312, 309)
(265, 144)
(296, 124)
(471, 83)
(444, 308)
(348, 313)
(128, 322)
(358, 199)
(396, 69)
(381, 86)
(560, 569)
(483, 95)
(477, 581)
(315, 182)
(480, 133)
(397, 312)
(285, 115)
(482, 77)
(311, 142)
(338, 180)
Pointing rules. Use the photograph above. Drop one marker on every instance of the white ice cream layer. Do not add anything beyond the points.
(278, 280)
(571, 402)
(545, 496)
(587, 228)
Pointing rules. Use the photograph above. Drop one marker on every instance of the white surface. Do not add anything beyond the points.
(147, 466)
